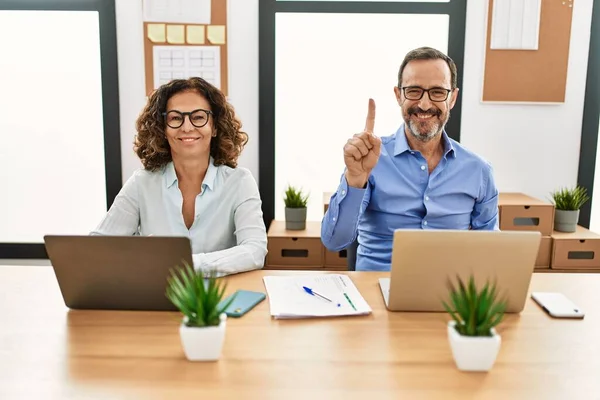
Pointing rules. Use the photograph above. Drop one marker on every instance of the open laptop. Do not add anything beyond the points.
(116, 272)
(424, 260)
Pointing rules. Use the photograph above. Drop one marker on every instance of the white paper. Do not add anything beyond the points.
(288, 299)
(177, 11)
(515, 24)
(531, 24)
(182, 62)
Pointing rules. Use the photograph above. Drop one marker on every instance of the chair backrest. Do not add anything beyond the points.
(351, 255)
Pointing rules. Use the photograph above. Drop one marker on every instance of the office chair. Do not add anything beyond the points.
(351, 255)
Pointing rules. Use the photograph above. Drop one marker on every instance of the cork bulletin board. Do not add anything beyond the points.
(537, 76)
(185, 38)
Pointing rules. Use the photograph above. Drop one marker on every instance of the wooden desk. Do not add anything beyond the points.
(49, 352)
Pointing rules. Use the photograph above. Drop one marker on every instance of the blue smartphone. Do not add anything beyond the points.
(244, 301)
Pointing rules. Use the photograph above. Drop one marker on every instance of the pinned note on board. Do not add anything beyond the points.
(184, 38)
(195, 34)
(175, 34)
(178, 11)
(180, 62)
(216, 34)
(156, 33)
(516, 24)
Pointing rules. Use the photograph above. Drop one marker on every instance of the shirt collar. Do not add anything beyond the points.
(402, 144)
(211, 175)
(170, 176)
(449, 148)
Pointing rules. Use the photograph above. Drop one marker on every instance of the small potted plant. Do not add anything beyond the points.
(567, 203)
(471, 332)
(295, 209)
(199, 298)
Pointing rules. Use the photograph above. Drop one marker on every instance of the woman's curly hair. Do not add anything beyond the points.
(151, 143)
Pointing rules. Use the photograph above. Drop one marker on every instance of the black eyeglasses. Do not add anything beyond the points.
(198, 118)
(416, 93)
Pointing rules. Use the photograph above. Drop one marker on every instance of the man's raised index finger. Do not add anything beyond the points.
(370, 124)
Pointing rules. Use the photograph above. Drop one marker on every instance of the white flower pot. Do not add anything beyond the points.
(203, 344)
(473, 353)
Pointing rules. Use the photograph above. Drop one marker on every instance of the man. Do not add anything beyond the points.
(417, 178)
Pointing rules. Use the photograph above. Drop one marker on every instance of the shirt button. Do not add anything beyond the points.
(343, 192)
(424, 222)
(333, 219)
(426, 197)
(423, 167)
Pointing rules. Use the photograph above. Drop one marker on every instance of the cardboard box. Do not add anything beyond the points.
(544, 254)
(335, 258)
(294, 248)
(577, 250)
(519, 212)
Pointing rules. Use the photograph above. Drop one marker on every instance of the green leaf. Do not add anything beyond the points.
(195, 295)
(484, 304)
(475, 310)
(452, 314)
(570, 198)
(294, 198)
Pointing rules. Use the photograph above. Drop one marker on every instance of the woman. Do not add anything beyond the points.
(189, 140)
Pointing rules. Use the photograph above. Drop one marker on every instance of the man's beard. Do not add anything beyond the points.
(436, 123)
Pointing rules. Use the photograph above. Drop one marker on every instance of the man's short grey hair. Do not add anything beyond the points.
(428, 53)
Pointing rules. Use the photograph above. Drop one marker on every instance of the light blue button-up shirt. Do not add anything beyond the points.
(228, 233)
(460, 193)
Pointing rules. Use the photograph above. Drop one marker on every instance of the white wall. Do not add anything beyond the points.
(242, 31)
(533, 148)
(132, 97)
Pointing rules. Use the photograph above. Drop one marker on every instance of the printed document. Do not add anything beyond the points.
(334, 295)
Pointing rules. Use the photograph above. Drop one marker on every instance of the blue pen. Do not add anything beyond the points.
(312, 292)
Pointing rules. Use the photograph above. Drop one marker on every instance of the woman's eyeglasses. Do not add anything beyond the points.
(198, 118)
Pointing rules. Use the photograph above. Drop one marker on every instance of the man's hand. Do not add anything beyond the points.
(362, 151)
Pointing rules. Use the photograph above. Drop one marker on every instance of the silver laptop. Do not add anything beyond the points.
(423, 261)
(116, 272)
